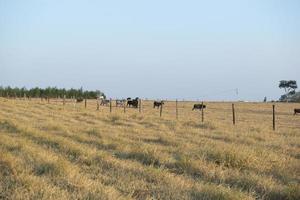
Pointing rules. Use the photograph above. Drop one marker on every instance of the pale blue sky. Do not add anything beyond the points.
(155, 49)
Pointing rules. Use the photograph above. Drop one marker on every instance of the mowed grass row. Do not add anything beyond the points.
(53, 152)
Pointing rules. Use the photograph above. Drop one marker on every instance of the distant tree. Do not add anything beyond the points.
(289, 87)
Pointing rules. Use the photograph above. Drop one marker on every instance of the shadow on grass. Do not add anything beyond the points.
(158, 140)
(144, 157)
(205, 125)
(116, 120)
(6, 126)
(8, 181)
(46, 169)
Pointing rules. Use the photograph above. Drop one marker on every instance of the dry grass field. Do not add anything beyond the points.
(48, 151)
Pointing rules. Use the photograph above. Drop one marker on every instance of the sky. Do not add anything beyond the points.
(192, 49)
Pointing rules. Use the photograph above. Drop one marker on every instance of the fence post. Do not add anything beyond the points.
(233, 114)
(273, 117)
(97, 104)
(176, 109)
(140, 105)
(160, 111)
(64, 100)
(125, 102)
(202, 113)
(75, 102)
(110, 105)
(85, 103)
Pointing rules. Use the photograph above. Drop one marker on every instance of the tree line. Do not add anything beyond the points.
(49, 92)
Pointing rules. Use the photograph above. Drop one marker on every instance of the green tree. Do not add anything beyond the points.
(289, 87)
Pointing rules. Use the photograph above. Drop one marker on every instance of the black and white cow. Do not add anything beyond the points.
(103, 101)
(120, 102)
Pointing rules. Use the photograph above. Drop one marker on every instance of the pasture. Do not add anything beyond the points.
(51, 151)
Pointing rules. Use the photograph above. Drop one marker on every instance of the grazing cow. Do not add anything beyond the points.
(199, 106)
(296, 110)
(158, 104)
(133, 102)
(120, 102)
(78, 100)
(103, 101)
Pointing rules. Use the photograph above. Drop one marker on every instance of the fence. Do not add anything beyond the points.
(237, 112)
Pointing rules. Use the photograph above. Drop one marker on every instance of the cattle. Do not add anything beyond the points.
(199, 106)
(78, 100)
(296, 110)
(133, 102)
(104, 102)
(120, 102)
(158, 104)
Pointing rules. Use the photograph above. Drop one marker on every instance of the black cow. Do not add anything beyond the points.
(296, 110)
(78, 100)
(133, 102)
(158, 104)
(199, 106)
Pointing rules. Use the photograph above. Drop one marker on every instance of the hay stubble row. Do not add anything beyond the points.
(51, 151)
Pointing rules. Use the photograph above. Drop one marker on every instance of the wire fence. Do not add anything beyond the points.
(276, 114)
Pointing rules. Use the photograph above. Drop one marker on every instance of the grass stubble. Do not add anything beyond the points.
(48, 151)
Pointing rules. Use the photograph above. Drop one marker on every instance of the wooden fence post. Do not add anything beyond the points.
(85, 103)
(75, 102)
(273, 117)
(64, 100)
(176, 109)
(140, 105)
(160, 111)
(125, 102)
(110, 105)
(233, 114)
(202, 113)
(97, 104)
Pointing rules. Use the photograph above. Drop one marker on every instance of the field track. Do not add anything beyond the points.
(51, 151)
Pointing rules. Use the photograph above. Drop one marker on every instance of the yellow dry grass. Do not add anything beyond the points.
(48, 151)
